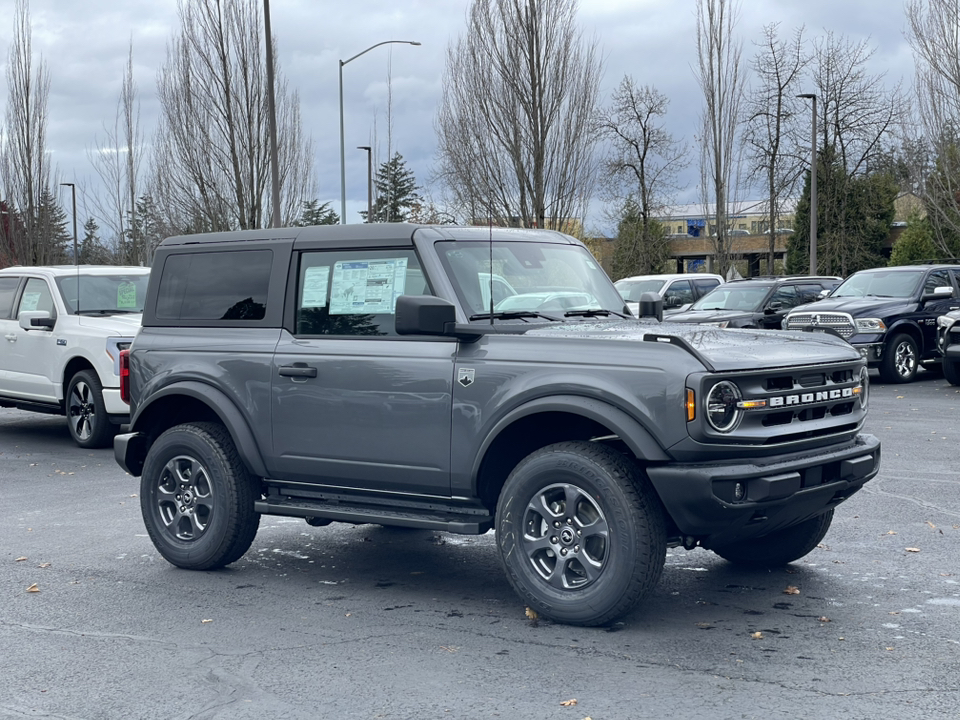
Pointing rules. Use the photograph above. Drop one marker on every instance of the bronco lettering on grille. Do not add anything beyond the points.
(812, 397)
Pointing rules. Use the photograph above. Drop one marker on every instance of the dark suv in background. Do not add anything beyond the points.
(756, 302)
(888, 314)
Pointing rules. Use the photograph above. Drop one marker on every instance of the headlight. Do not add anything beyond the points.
(721, 406)
(719, 324)
(870, 325)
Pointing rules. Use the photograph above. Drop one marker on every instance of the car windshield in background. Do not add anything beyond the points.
(892, 283)
(631, 290)
(733, 297)
(536, 278)
(103, 294)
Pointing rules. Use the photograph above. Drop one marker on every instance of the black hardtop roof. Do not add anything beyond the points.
(773, 280)
(897, 268)
(371, 232)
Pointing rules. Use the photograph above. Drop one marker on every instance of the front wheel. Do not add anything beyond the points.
(581, 533)
(951, 371)
(901, 359)
(197, 497)
(780, 547)
(86, 414)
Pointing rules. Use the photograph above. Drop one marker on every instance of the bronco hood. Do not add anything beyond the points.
(723, 349)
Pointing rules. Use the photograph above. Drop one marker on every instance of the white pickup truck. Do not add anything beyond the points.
(63, 328)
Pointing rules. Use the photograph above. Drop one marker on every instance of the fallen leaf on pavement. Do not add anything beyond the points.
(891, 532)
(20, 559)
(43, 565)
(912, 549)
(823, 618)
(531, 613)
(932, 526)
(210, 620)
(757, 635)
(568, 703)
(33, 588)
(791, 590)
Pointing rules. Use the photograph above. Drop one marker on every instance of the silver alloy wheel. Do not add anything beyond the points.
(185, 498)
(905, 358)
(565, 536)
(82, 411)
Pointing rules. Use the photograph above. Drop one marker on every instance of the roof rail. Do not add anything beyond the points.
(939, 261)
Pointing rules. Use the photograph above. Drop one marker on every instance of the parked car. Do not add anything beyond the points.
(309, 372)
(64, 328)
(889, 314)
(948, 340)
(755, 302)
(678, 291)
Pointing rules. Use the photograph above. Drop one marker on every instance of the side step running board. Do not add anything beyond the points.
(353, 512)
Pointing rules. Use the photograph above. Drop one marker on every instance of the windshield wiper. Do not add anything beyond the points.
(594, 313)
(514, 315)
(107, 311)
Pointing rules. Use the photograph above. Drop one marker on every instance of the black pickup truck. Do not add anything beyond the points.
(371, 374)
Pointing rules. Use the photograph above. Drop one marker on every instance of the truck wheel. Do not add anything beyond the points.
(197, 497)
(780, 547)
(900, 360)
(581, 533)
(86, 414)
(951, 371)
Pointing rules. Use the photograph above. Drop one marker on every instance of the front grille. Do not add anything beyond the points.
(841, 323)
(802, 403)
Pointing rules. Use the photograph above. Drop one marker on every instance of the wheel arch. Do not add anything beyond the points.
(907, 328)
(76, 364)
(191, 401)
(546, 421)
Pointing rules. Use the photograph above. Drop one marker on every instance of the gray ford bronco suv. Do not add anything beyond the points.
(371, 374)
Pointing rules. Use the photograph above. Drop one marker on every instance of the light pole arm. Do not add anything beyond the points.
(385, 42)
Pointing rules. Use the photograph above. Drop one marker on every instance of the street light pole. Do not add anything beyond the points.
(73, 194)
(813, 184)
(343, 171)
(369, 180)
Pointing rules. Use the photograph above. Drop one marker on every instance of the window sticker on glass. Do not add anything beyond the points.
(126, 295)
(315, 281)
(29, 301)
(367, 287)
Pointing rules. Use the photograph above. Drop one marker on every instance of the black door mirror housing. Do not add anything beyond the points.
(429, 315)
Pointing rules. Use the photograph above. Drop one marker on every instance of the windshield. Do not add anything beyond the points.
(104, 294)
(527, 277)
(893, 283)
(631, 290)
(733, 297)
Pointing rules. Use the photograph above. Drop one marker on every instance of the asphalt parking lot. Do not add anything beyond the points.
(369, 622)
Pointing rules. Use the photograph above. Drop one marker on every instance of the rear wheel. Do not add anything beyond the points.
(951, 371)
(86, 414)
(197, 497)
(901, 359)
(778, 548)
(581, 533)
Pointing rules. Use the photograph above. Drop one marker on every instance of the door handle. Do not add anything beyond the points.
(11, 337)
(300, 370)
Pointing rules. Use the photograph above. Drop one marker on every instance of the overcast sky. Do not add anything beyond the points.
(85, 43)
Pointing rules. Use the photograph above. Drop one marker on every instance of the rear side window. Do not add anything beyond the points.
(705, 285)
(215, 287)
(8, 288)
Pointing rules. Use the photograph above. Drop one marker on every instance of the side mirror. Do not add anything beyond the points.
(773, 307)
(36, 319)
(823, 293)
(651, 306)
(939, 293)
(673, 301)
(429, 315)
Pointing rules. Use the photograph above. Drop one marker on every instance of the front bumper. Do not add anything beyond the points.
(717, 504)
(872, 352)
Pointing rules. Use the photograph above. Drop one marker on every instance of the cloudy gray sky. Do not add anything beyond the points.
(85, 42)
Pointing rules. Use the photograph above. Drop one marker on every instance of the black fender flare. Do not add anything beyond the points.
(911, 328)
(636, 437)
(223, 407)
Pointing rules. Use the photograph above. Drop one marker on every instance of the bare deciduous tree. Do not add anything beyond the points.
(640, 172)
(118, 158)
(722, 81)
(770, 132)
(26, 168)
(211, 167)
(514, 120)
(932, 33)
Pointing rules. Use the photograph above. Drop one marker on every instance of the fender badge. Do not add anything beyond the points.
(61, 341)
(465, 376)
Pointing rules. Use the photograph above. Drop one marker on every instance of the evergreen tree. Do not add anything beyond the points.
(52, 239)
(313, 213)
(92, 251)
(145, 232)
(641, 247)
(396, 191)
(915, 243)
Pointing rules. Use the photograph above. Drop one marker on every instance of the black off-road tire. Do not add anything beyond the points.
(901, 359)
(197, 497)
(951, 371)
(778, 548)
(562, 499)
(86, 414)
